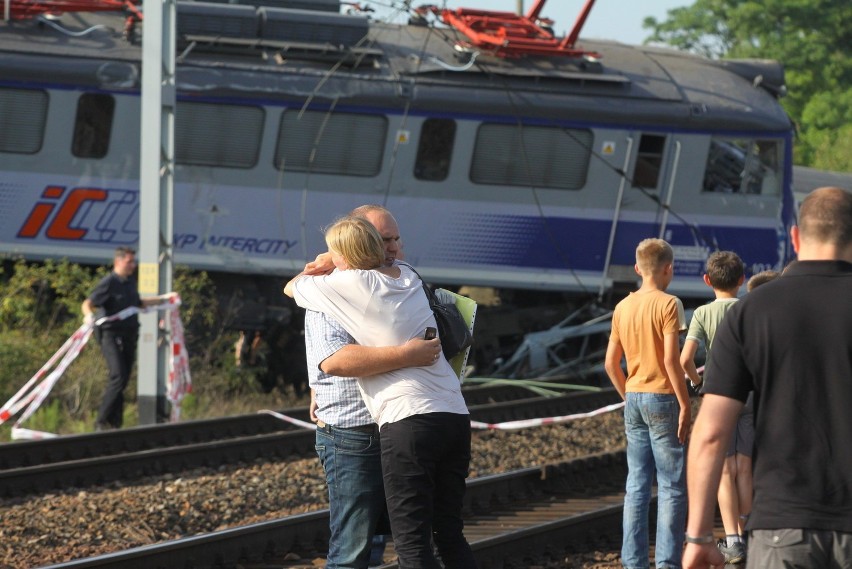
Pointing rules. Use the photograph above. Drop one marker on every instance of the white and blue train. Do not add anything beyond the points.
(532, 169)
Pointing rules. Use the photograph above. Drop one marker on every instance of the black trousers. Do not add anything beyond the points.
(425, 460)
(119, 350)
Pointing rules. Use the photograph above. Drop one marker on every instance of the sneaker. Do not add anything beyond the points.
(734, 554)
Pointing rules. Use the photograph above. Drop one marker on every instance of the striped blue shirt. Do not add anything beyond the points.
(339, 401)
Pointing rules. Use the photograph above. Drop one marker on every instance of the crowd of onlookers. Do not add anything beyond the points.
(770, 444)
(777, 386)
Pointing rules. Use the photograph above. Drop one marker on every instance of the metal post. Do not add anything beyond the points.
(156, 188)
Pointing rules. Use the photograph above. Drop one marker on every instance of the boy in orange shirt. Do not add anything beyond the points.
(657, 415)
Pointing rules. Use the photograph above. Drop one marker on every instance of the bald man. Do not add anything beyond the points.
(790, 341)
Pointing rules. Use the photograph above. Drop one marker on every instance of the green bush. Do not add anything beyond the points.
(42, 297)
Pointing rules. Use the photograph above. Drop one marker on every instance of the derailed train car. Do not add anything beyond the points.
(534, 164)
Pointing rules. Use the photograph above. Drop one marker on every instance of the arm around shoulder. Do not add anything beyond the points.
(289, 288)
(354, 360)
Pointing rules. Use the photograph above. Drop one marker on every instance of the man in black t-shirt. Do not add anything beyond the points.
(114, 293)
(791, 342)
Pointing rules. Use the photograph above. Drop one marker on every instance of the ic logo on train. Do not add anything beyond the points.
(83, 214)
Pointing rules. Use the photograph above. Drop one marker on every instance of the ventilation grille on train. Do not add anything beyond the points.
(214, 21)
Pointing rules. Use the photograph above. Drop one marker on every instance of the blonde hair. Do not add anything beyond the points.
(357, 241)
(652, 255)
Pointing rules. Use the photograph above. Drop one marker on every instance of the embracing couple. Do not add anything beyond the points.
(397, 438)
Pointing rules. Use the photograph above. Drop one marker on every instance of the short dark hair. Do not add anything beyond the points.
(761, 278)
(724, 270)
(826, 216)
(123, 251)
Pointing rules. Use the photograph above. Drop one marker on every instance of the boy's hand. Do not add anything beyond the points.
(683, 423)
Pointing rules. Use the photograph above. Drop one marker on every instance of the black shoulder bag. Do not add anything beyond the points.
(453, 331)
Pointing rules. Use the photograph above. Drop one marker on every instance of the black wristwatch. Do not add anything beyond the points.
(700, 540)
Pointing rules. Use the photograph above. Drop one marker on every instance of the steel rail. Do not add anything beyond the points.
(568, 503)
(161, 453)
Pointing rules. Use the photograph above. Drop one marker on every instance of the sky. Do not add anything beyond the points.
(619, 20)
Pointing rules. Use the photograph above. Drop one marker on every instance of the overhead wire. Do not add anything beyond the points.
(694, 228)
(512, 98)
(369, 42)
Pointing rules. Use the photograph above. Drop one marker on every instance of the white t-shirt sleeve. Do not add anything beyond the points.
(342, 295)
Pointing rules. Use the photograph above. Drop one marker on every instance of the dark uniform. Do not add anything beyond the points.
(118, 342)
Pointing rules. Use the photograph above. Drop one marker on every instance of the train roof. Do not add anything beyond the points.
(264, 52)
(807, 179)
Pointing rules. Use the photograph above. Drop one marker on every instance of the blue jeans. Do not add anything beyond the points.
(651, 421)
(352, 462)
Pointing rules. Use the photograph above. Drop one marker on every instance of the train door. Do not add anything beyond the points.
(703, 192)
(650, 170)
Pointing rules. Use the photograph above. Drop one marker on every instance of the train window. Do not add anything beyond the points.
(208, 134)
(92, 125)
(331, 143)
(736, 166)
(545, 157)
(23, 113)
(649, 160)
(435, 149)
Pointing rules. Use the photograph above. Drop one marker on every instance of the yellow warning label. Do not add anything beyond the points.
(608, 147)
(149, 278)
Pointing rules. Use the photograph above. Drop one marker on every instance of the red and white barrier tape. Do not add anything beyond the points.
(33, 393)
(508, 426)
(526, 423)
(179, 382)
(31, 396)
(297, 422)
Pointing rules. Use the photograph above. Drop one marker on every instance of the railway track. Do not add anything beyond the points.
(510, 519)
(92, 459)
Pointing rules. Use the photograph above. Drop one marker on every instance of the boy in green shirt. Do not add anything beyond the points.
(725, 275)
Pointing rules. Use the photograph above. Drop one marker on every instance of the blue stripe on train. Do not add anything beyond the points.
(580, 244)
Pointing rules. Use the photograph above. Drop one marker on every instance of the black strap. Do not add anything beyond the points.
(430, 294)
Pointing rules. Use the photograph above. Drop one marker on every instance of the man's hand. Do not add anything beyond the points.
(420, 352)
(702, 556)
(88, 319)
(312, 409)
(322, 265)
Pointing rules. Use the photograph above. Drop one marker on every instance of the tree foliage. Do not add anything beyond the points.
(810, 37)
(43, 297)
